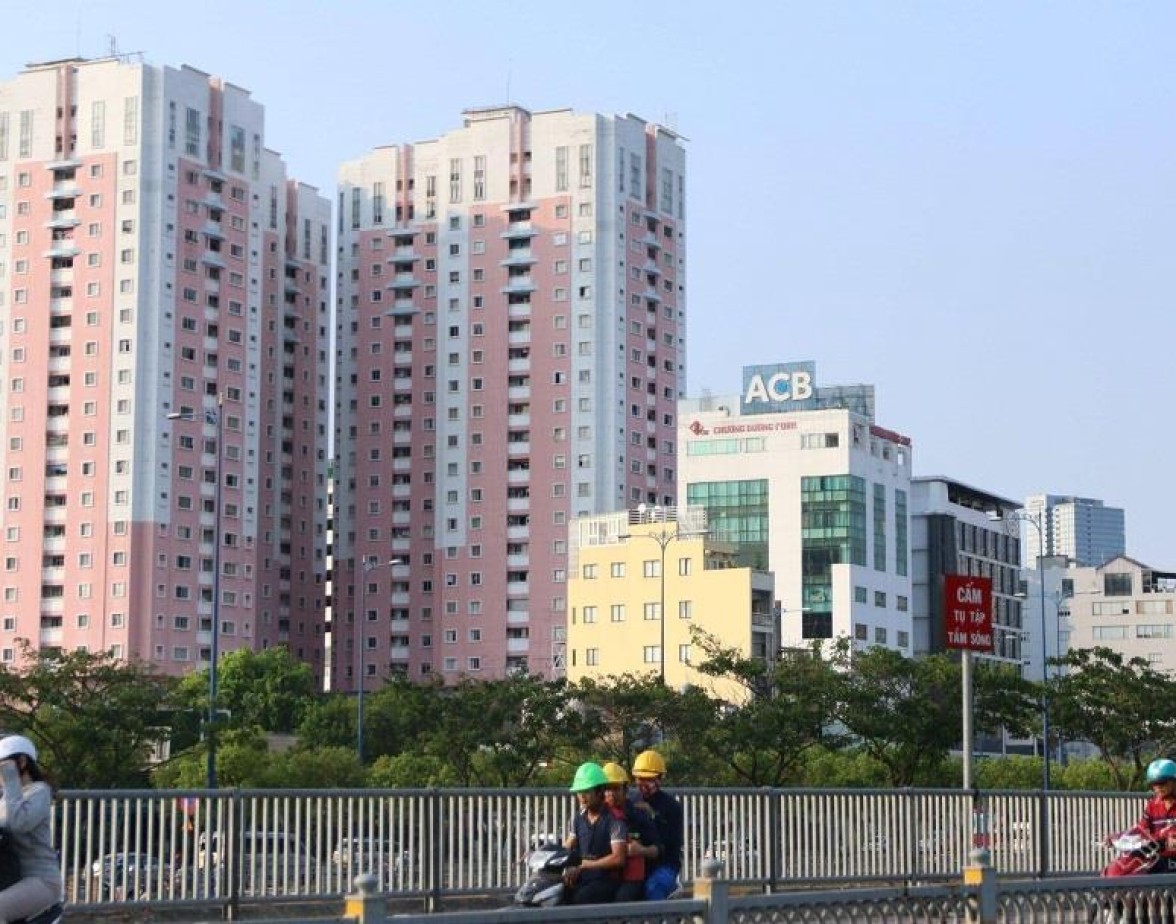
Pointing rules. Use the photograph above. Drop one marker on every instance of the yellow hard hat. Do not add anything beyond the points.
(649, 763)
(615, 773)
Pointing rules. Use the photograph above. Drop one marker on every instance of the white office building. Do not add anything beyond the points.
(800, 480)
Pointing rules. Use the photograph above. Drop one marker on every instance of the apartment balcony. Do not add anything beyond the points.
(518, 365)
(518, 589)
(515, 532)
(521, 560)
(67, 190)
(518, 476)
(519, 393)
(51, 637)
(519, 338)
(213, 228)
(52, 606)
(519, 420)
(54, 516)
(519, 257)
(521, 448)
(518, 505)
(66, 163)
(403, 281)
(213, 200)
(517, 284)
(402, 357)
(405, 305)
(520, 311)
(65, 218)
(62, 250)
(403, 253)
(517, 617)
(54, 544)
(212, 258)
(402, 490)
(519, 230)
(402, 465)
(518, 645)
(402, 518)
(400, 653)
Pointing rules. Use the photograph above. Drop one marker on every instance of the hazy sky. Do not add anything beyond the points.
(968, 204)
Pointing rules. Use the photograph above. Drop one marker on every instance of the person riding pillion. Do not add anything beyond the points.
(643, 847)
(649, 769)
(599, 837)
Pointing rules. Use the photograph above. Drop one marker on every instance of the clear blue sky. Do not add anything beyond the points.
(970, 205)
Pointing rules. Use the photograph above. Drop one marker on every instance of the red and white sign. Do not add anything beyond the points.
(967, 612)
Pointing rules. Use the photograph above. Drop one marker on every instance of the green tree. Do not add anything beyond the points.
(501, 733)
(398, 715)
(409, 770)
(94, 719)
(268, 689)
(784, 709)
(628, 711)
(328, 722)
(1124, 707)
(907, 712)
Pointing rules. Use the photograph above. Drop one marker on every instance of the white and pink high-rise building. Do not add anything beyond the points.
(155, 260)
(511, 342)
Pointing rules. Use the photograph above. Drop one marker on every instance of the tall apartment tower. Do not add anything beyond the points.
(163, 409)
(1080, 528)
(511, 341)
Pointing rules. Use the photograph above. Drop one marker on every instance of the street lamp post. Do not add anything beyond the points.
(1043, 824)
(361, 665)
(663, 539)
(214, 416)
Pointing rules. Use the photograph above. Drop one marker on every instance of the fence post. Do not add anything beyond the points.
(714, 891)
(980, 881)
(773, 839)
(363, 905)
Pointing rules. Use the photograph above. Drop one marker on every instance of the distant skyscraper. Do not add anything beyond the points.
(511, 341)
(1080, 528)
(155, 260)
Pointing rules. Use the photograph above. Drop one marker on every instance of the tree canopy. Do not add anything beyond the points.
(855, 718)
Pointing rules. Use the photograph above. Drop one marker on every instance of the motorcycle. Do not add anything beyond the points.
(1135, 855)
(544, 885)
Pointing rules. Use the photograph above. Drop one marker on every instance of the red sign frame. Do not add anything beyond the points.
(967, 613)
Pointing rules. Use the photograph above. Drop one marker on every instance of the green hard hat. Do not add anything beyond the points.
(588, 776)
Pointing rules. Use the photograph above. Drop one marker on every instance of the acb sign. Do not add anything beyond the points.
(779, 387)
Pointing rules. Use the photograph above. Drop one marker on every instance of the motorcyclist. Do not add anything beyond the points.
(26, 809)
(1157, 825)
(661, 881)
(599, 837)
(643, 846)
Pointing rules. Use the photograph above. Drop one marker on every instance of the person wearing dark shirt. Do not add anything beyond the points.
(599, 837)
(661, 880)
(643, 846)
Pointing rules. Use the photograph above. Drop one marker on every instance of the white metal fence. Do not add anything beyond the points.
(231, 846)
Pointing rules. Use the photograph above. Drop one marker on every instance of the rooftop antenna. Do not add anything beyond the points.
(112, 46)
(509, 66)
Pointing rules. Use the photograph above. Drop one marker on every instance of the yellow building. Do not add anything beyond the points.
(627, 569)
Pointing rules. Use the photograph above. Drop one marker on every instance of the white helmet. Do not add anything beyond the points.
(11, 745)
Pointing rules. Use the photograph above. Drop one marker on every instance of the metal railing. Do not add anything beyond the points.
(176, 848)
(980, 898)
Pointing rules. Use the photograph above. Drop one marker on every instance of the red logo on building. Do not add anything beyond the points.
(698, 429)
